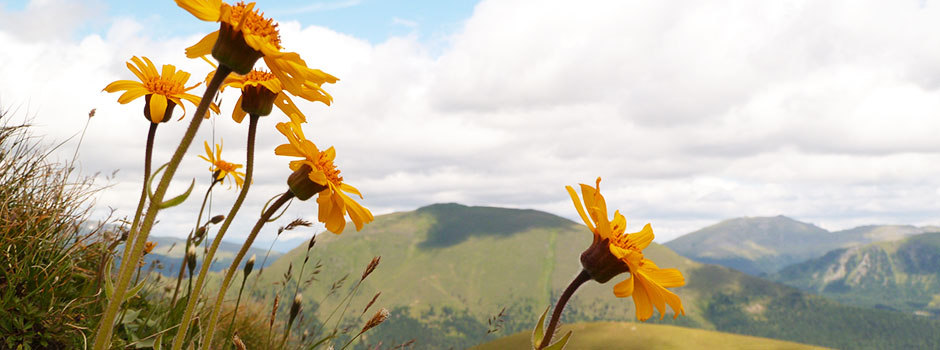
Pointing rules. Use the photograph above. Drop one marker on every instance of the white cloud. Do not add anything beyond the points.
(691, 112)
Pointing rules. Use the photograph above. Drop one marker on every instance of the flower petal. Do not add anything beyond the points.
(204, 46)
(206, 10)
(238, 114)
(157, 107)
(577, 205)
(643, 238)
(625, 288)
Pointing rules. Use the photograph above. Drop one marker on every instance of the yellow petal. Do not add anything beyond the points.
(132, 94)
(668, 278)
(204, 46)
(206, 10)
(123, 85)
(625, 288)
(287, 150)
(350, 189)
(288, 107)
(157, 107)
(644, 309)
(577, 205)
(238, 114)
(643, 238)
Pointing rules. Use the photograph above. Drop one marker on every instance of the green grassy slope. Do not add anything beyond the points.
(443, 289)
(764, 245)
(630, 336)
(900, 275)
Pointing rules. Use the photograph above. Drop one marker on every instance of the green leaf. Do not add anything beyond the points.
(178, 199)
(108, 284)
(150, 181)
(561, 343)
(539, 330)
(158, 342)
(135, 290)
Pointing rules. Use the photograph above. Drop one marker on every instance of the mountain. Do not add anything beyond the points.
(169, 253)
(899, 275)
(446, 269)
(764, 245)
(637, 336)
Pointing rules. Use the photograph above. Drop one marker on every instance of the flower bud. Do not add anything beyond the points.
(191, 260)
(249, 265)
(216, 219)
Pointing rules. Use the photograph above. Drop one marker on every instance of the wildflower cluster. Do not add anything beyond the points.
(245, 36)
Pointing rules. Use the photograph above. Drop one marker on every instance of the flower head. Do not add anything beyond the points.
(318, 174)
(162, 91)
(260, 92)
(148, 247)
(246, 35)
(220, 168)
(613, 252)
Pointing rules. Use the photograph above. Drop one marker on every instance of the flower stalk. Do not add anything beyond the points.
(204, 271)
(106, 325)
(582, 277)
(230, 272)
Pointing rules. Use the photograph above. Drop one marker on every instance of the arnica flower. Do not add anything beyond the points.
(613, 252)
(261, 91)
(220, 168)
(316, 173)
(162, 91)
(244, 36)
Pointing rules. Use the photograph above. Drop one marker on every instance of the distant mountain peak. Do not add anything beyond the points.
(455, 223)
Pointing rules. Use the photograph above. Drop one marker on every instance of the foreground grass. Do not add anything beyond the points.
(628, 336)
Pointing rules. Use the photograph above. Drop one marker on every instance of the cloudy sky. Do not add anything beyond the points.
(691, 111)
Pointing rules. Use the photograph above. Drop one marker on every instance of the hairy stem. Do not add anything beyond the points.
(207, 260)
(189, 241)
(582, 277)
(214, 316)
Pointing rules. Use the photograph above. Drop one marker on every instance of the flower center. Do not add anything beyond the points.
(259, 76)
(252, 22)
(329, 169)
(225, 166)
(164, 87)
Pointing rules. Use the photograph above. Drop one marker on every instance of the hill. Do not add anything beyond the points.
(170, 250)
(636, 336)
(447, 268)
(764, 245)
(899, 275)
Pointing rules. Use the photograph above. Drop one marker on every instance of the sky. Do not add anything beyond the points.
(691, 112)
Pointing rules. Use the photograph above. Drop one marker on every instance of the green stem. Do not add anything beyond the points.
(231, 327)
(214, 316)
(207, 260)
(179, 277)
(106, 324)
(148, 159)
(582, 277)
(351, 340)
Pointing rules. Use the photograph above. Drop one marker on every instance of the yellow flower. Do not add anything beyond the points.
(260, 92)
(647, 283)
(244, 36)
(148, 247)
(220, 168)
(163, 91)
(333, 203)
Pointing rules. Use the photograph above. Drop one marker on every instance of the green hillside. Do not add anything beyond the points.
(637, 336)
(900, 275)
(764, 245)
(447, 268)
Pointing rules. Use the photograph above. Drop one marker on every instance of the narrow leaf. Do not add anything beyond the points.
(539, 330)
(178, 199)
(150, 181)
(561, 343)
